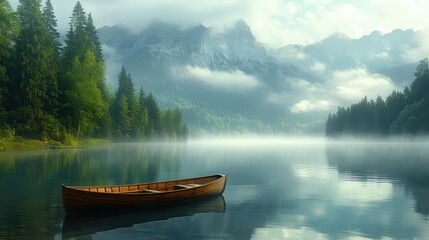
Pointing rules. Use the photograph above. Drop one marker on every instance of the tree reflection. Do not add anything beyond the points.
(30, 200)
(400, 162)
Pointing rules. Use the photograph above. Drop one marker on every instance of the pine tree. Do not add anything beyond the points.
(9, 28)
(81, 39)
(124, 120)
(419, 87)
(154, 127)
(125, 96)
(54, 44)
(36, 77)
(95, 44)
(402, 113)
(77, 39)
(142, 115)
(51, 21)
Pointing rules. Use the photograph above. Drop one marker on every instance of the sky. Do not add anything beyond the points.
(274, 23)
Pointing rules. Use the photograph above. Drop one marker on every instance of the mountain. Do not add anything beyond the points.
(387, 54)
(228, 82)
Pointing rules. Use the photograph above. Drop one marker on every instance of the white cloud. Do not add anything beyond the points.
(341, 88)
(274, 22)
(422, 51)
(234, 81)
(381, 56)
(302, 84)
(355, 84)
(318, 67)
(308, 106)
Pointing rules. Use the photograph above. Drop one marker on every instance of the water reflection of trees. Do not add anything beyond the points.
(406, 163)
(30, 182)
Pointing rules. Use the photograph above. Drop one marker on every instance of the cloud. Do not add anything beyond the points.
(304, 106)
(318, 67)
(233, 81)
(381, 56)
(354, 84)
(274, 22)
(340, 88)
(421, 51)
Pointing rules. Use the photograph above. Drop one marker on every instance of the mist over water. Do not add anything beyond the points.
(278, 188)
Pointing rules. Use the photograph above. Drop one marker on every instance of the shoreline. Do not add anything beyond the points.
(31, 144)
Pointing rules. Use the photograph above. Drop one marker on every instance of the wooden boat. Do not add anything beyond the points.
(144, 195)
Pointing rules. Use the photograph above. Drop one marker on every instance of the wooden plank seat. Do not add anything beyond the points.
(144, 191)
(151, 191)
(186, 186)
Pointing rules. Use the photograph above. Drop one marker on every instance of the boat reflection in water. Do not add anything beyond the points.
(81, 224)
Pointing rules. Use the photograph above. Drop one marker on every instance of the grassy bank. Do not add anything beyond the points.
(20, 144)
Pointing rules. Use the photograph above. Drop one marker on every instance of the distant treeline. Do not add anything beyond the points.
(403, 113)
(57, 92)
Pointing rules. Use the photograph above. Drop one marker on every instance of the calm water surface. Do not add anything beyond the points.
(276, 190)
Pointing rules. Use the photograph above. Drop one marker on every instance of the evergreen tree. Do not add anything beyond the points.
(35, 57)
(420, 86)
(124, 99)
(76, 42)
(9, 28)
(154, 127)
(81, 39)
(142, 115)
(54, 44)
(380, 125)
(124, 120)
(167, 130)
(85, 97)
(395, 103)
(402, 113)
(95, 44)
(51, 22)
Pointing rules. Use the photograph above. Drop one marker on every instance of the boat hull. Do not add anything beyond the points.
(146, 195)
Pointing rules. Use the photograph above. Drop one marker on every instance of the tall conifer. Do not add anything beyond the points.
(36, 77)
(9, 28)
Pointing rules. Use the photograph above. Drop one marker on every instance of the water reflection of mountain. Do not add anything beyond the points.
(76, 225)
(399, 162)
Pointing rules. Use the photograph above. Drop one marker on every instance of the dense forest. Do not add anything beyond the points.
(403, 113)
(56, 91)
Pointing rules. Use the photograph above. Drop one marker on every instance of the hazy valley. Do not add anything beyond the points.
(228, 82)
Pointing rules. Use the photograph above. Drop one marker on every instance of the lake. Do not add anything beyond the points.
(277, 189)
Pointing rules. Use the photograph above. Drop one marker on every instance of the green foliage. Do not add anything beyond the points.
(419, 88)
(59, 95)
(154, 125)
(413, 120)
(9, 28)
(7, 133)
(124, 106)
(140, 118)
(35, 87)
(124, 121)
(51, 129)
(94, 42)
(172, 126)
(84, 96)
(401, 113)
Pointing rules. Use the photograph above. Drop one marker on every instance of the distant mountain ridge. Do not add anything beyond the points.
(377, 52)
(229, 82)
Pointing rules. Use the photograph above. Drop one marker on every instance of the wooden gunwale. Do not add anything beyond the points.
(140, 190)
(146, 194)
